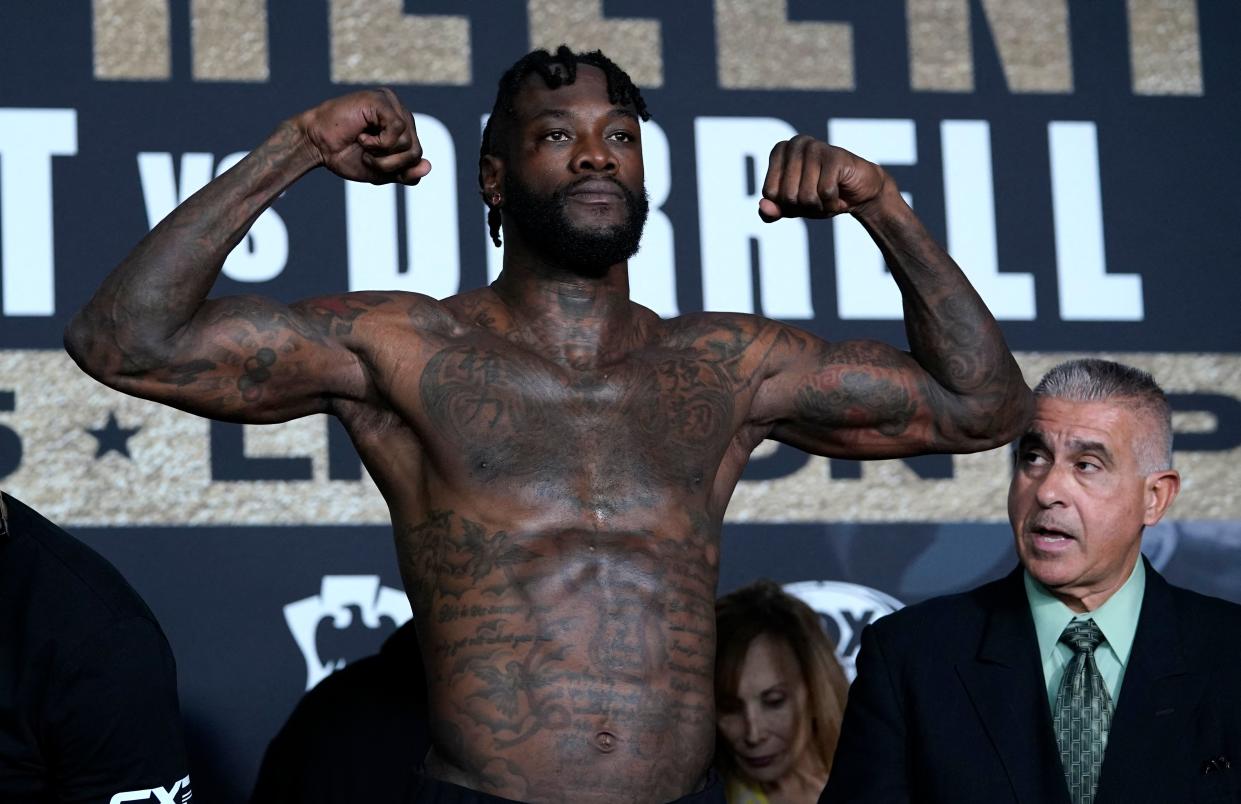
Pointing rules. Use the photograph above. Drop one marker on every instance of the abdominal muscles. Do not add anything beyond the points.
(565, 666)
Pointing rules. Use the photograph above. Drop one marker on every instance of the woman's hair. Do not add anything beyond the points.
(764, 608)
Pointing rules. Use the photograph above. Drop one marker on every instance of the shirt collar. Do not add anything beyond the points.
(1117, 618)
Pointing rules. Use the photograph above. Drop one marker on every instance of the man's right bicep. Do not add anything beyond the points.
(249, 359)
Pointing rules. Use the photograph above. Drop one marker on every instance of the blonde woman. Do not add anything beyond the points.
(780, 695)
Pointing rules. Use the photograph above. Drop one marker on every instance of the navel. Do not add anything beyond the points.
(606, 742)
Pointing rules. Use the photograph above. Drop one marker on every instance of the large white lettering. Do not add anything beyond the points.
(263, 252)
(495, 254)
(969, 203)
(1087, 291)
(160, 181)
(732, 156)
(433, 255)
(864, 288)
(652, 271)
(29, 138)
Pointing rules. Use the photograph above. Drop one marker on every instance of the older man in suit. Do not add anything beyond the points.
(1082, 676)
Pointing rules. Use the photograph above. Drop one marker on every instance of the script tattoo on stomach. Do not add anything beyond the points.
(537, 644)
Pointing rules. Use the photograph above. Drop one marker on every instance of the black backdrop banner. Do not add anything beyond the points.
(1075, 157)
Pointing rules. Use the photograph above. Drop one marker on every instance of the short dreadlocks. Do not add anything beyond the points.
(621, 91)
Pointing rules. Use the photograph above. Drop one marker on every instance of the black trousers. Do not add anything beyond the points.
(433, 791)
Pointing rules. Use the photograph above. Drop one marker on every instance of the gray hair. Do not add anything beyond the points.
(1094, 380)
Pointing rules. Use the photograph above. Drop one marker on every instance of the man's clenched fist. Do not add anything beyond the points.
(365, 136)
(807, 178)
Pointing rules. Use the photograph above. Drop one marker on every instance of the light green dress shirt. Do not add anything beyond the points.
(1117, 618)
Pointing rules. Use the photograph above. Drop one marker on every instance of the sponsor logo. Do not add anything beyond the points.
(179, 793)
(844, 610)
(345, 601)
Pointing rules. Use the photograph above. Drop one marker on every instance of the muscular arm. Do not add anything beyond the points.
(958, 389)
(150, 330)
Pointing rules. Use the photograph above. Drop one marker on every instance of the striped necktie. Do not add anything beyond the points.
(1083, 712)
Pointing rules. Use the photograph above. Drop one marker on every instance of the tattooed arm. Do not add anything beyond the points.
(150, 330)
(957, 390)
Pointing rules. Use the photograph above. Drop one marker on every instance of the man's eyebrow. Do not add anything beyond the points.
(624, 111)
(1095, 447)
(1035, 439)
(553, 113)
(561, 114)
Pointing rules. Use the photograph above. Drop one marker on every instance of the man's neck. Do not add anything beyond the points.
(582, 321)
(1087, 598)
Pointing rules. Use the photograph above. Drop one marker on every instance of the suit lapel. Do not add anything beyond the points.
(1157, 700)
(1005, 684)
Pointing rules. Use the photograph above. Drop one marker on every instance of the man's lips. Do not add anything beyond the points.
(1050, 537)
(596, 191)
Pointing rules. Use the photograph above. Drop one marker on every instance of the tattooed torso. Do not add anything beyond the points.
(557, 530)
(557, 490)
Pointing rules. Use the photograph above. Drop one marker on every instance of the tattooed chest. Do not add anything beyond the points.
(656, 420)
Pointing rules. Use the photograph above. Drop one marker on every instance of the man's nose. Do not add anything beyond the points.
(593, 155)
(1050, 489)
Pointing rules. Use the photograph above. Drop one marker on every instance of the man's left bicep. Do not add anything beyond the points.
(858, 399)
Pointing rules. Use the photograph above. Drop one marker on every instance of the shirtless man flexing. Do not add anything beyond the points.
(556, 458)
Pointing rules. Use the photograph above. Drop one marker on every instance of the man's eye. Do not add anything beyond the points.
(1033, 458)
(556, 136)
(1088, 466)
(622, 136)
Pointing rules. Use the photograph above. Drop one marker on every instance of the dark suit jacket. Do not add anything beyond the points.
(950, 705)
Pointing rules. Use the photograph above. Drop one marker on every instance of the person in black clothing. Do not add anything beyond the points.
(356, 735)
(88, 685)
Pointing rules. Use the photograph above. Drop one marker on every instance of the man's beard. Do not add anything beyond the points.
(546, 228)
